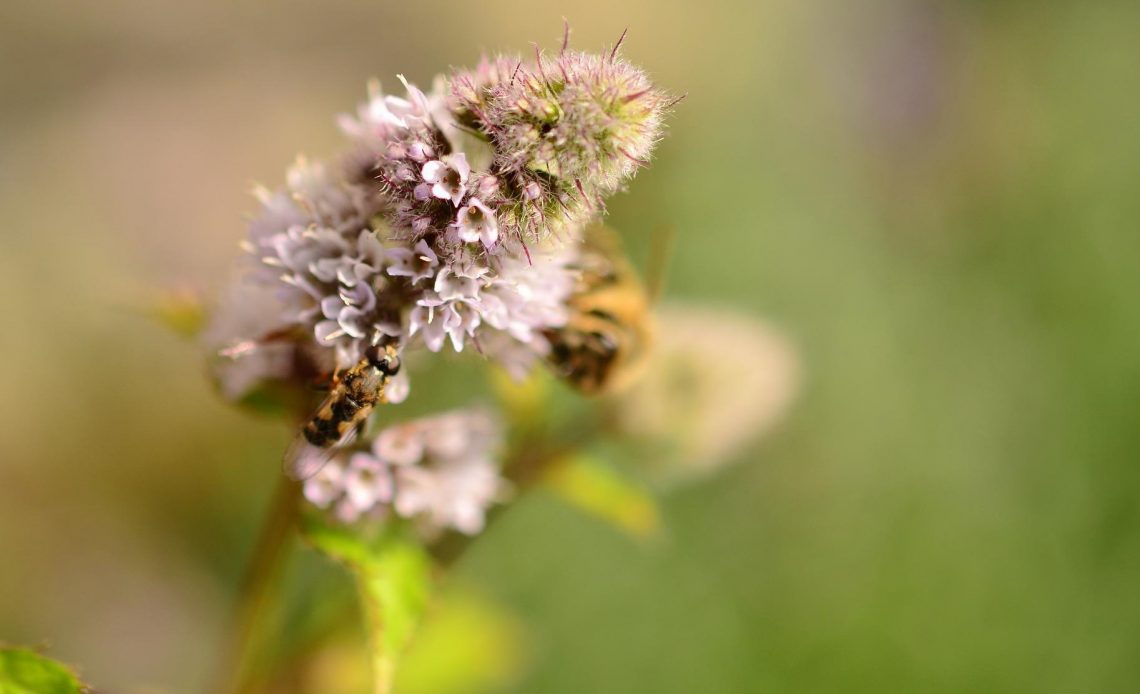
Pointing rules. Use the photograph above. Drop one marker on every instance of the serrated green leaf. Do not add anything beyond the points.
(23, 671)
(393, 573)
(589, 484)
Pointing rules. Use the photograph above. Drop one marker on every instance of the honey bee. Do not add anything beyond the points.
(604, 344)
(344, 411)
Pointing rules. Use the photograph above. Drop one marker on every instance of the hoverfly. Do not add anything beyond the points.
(344, 411)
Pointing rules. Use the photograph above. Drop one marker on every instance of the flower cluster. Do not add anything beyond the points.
(438, 471)
(452, 219)
(345, 285)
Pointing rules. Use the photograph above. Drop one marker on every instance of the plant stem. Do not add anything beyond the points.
(383, 663)
(257, 586)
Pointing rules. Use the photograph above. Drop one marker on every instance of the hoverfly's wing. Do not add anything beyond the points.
(302, 459)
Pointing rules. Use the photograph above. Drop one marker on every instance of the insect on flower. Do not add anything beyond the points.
(344, 411)
(604, 345)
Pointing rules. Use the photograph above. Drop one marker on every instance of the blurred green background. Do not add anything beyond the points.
(937, 201)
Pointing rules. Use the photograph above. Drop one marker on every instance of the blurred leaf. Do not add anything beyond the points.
(181, 311)
(524, 402)
(274, 399)
(339, 666)
(393, 575)
(467, 645)
(23, 671)
(591, 485)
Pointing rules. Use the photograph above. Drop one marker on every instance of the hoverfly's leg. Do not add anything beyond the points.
(324, 382)
(364, 428)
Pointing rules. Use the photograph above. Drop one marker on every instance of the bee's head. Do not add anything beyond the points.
(384, 358)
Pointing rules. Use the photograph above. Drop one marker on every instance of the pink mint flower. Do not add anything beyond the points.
(447, 178)
(477, 223)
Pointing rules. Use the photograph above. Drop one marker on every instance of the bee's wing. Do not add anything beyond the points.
(605, 242)
(601, 239)
(661, 250)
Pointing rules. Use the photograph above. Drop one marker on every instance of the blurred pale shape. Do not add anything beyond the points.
(718, 380)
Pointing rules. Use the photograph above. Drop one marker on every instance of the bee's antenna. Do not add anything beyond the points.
(660, 251)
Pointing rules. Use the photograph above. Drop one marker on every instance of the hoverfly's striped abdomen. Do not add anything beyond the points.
(333, 421)
(359, 390)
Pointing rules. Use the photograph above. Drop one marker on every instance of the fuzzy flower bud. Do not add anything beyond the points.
(567, 131)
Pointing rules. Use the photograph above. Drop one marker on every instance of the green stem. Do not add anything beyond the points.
(257, 586)
(383, 660)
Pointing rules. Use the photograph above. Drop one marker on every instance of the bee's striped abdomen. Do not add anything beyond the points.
(600, 347)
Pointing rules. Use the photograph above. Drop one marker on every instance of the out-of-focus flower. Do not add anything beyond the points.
(416, 263)
(366, 481)
(439, 471)
(249, 341)
(717, 381)
(324, 487)
(400, 445)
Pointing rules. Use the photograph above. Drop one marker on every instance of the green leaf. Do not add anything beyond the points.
(23, 671)
(589, 484)
(393, 573)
